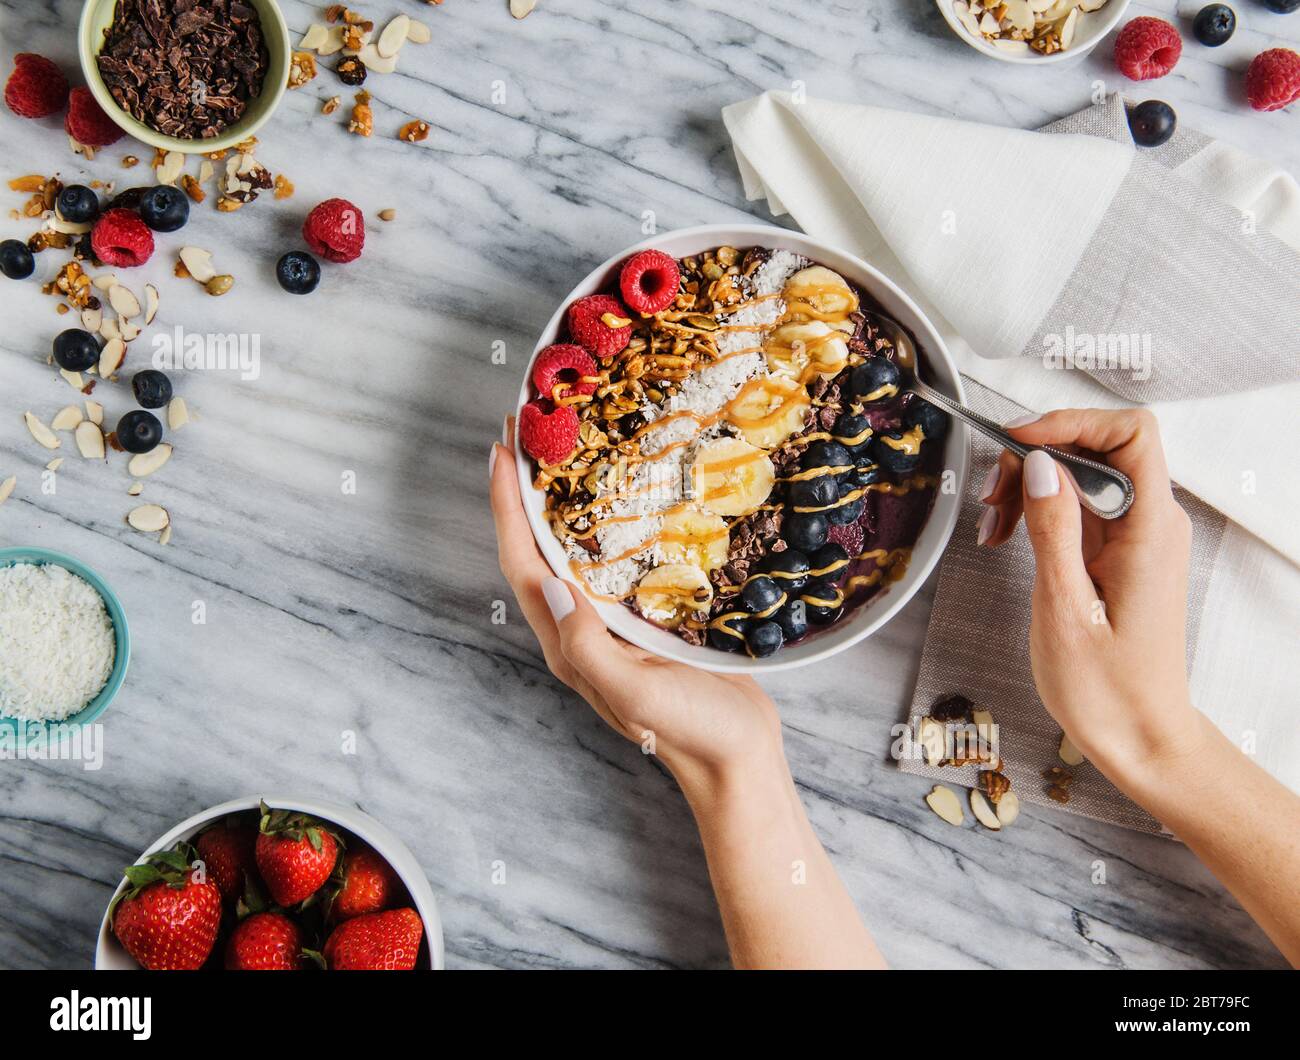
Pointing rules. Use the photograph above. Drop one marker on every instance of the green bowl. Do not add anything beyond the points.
(97, 16)
(121, 633)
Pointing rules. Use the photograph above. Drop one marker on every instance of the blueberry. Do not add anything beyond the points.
(890, 458)
(77, 203)
(849, 511)
(874, 375)
(1214, 24)
(825, 454)
(932, 420)
(819, 492)
(1282, 7)
(16, 261)
(793, 620)
(139, 431)
(806, 531)
(852, 431)
(788, 568)
(828, 564)
(152, 388)
(761, 593)
(298, 272)
(822, 604)
(164, 208)
(727, 632)
(764, 639)
(1152, 123)
(867, 472)
(75, 350)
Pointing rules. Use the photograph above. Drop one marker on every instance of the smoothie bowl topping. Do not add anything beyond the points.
(727, 447)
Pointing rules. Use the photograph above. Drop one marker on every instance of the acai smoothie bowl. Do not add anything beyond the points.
(718, 445)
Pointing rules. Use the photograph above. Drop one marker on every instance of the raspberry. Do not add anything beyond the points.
(1146, 48)
(86, 121)
(336, 230)
(1273, 80)
(36, 88)
(649, 281)
(850, 537)
(588, 328)
(549, 432)
(121, 238)
(564, 365)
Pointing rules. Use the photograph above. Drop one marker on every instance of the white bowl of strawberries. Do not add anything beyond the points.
(275, 883)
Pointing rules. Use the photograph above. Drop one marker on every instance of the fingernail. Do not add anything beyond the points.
(991, 482)
(988, 524)
(1023, 421)
(492, 461)
(1041, 479)
(505, 432)
(558, 598)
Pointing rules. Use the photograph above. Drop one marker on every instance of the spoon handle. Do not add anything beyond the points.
(1104, 491)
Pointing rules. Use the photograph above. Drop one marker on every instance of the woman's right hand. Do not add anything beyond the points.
(1107, 638)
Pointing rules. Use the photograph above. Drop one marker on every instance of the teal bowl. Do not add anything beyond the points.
(121, 633)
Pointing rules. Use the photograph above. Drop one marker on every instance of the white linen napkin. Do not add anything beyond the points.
(1000, 234)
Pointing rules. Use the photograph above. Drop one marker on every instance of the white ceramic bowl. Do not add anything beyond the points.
(1091, 27)
(941, 372)
(110, 956)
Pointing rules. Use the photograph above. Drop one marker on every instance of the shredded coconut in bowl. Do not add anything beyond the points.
(56, 642)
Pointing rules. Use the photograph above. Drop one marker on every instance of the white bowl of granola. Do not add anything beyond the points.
(1032, 31)
(684, 499)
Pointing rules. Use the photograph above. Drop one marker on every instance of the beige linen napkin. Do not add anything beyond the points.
(897, 189)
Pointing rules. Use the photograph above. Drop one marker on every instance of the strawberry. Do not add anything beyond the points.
(295, 854)
(369, 885)
(376, 942)
(265, 942)
(227, 852)
(169, 917)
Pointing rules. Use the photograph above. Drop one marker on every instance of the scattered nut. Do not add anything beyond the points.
(219, 285)
(90, 440)
(995, 785)
(387, 214)
(192, 188)
(983, 811)
(932, 739)
(135, 489)
(148, 518)
(331, 105)
(172, 164)
(945, 803)
(54, 464)
(123, 301)
(418, 32)
(302, 67)
(41, 432)
(1008, 808)
(178, 414)
(362, 121)
(522, 8)
(144, 464)
(111, 357)
(393, 36)
(95, 412)
(315, 36)
(283, 187)
(129, 160)
(413, 132)
(67, 418)
(1069, 754)
(198, 263)
(150, 303)
(7, 487)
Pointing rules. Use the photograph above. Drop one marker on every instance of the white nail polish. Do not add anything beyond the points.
(991, 482)
(558, 598)
(1041, 479)
(988, 524)
(1023, 421)
(492, 461)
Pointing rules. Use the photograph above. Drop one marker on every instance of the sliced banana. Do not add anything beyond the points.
(731, 477)
(696, 537)
(768, 411)
(667, 594)
(793, 348)
(818, 293)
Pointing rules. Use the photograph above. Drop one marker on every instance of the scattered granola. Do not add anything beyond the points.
(301, 69)
(414, 131)
(1017, 26)
(362, 121)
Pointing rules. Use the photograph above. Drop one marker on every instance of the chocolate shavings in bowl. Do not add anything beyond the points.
(185, 68)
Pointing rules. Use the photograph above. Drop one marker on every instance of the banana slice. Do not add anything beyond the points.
(768, 411)
(667, 594)
(731, 477)
(818, 293)
(792, 348)
(695, 537)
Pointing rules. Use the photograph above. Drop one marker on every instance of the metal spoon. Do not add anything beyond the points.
(1102, 490)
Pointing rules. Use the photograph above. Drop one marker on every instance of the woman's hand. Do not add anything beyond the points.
(1107, 639)
(700, 724)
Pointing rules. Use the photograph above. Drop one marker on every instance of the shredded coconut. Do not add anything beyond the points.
(56, 642)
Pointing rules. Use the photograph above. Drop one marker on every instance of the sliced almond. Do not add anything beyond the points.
(315, 36)
(123, 301)
(172, 164)
(962, 10)
(92, 318)
(205, 171)
(933, 737)
(1012, 47)
(150, 303)
(522, 8)
(109, 329)
(130, 330)
(376, 63)
(393, 37)
(198, 263)
(90, 440)
(945, 803)
(165, 537)
(95, 412)
(135, 489)
(1068, 27)
(104, 280)
(7, 487)
(1068, 753)
(1008, 807)
(67, 418)
(54, 464)
(73, 379)
(417, 32)
(68, 228)
(145, 464)
(41, 432)
(333, 41)
(983, 812)
(148, 518)
(178, 413)
(111, 357)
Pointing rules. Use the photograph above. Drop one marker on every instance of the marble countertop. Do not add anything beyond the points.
(550, 842)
